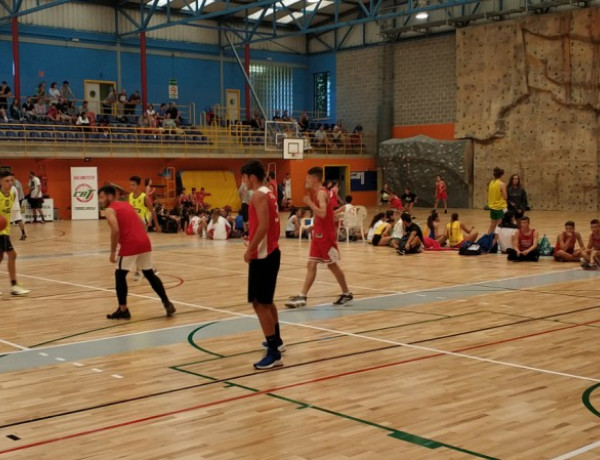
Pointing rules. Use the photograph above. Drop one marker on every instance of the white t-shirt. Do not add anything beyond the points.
(16, 207)
(290, 226)
(398, 231)
(195, 223)
(35, 187)
(287, 188)
(219, 229)
(505, 236)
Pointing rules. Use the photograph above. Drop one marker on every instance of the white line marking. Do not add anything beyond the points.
(95, 369)
(117, 376)
(348, 334)
(43, 354)
(14, 345)
(582, 450)
(461, 300)
(422, 295)
(77, 364)
(441, 298)
(60, 359)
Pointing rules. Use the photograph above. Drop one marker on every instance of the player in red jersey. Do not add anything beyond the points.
(441, 193)
(135, 250)
(263, 258)
(323, 247)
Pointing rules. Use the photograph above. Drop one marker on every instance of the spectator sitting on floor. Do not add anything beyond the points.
(591, 255)
(525, 242)
(397, 231)
(457, 233)
(377, 219)
(433, 224)
(565, 251)
(292, 226)
(412, 241)
(218, 227)
(505, 231)
(383, 232)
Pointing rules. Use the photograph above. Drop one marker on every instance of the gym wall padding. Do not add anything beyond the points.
(220, 184)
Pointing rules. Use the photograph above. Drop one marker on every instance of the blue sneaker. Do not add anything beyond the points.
(273, 359)
(281, 348)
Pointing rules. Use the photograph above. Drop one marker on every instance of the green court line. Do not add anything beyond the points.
(190, 340)
(585, 397)
(394, 433)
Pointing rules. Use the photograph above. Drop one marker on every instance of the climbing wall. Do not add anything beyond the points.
(529, 96)
(415, 162)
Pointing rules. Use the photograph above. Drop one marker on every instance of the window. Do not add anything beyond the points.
(322, 96)
(274, 87)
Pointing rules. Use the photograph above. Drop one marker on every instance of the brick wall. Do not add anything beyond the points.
(425, 81)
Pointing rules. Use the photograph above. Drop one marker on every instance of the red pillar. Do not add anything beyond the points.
(247, 69)
(16, 65)
(144, 71)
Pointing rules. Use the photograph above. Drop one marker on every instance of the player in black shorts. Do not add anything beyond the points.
(263, 257)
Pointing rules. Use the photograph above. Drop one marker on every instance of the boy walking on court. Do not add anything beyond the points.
(263, 258)
(323, 246)
(7, 199)
(135, 250)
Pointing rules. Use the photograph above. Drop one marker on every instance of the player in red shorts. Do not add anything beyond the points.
(135, 250)
(323, 247)
(441, 193)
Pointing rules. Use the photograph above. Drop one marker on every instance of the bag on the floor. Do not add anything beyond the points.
(170, 226)
(469, 248)
(486, 243)
(545, 247)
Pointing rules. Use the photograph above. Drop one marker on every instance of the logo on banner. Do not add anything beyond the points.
(84, 193)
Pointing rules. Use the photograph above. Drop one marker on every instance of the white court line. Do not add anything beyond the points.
(117, 376)
(95, 369)
(581, 450)
(350, 334)
(14, 345)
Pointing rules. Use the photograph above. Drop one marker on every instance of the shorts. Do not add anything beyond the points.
(36, 203)
(132, 263)
(3, 105)
(262, 278)
(15, 216)
(496, 214)
(324, 251)
(244, 212)
(376, 239)
(5, 244)
(441, 196)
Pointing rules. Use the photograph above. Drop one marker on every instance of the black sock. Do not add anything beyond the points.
(272, 343)
(278, 334)
(157, 285)
(13, 282)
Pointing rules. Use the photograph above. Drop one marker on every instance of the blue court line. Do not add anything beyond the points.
(94, 348)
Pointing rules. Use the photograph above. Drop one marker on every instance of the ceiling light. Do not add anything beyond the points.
(422, 15)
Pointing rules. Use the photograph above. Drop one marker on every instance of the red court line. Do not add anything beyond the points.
(285, 387)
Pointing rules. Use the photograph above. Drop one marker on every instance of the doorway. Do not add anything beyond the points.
(338, 173)
(95, 91)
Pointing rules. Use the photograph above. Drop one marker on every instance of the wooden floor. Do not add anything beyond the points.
(440, 356)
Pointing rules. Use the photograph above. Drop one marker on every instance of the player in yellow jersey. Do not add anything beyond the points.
(144, 208)
(496, 199)
(7, 199)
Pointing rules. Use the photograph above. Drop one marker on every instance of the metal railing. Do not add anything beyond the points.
(55, 140)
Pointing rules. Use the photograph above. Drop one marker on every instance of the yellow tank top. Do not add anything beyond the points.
(496, 201)
(456, 236)
(6, 204)
(139, 204)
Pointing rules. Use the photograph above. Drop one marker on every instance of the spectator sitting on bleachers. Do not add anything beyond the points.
(40, 93)
(174, 113)
(83, 120)
(5, 93)
(356, 136)
(151, 113)
(54, 93)
(161, 114)
(56, 115)
(321, 139)
(28, 110)
(72, 111)
(168, 124)
(66, 93)
(15, 111)
(41, 110)
(122, 99)
(303, 122)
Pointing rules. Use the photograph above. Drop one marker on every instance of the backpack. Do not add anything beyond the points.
(545, 247)
(486, 243)
(469, 248)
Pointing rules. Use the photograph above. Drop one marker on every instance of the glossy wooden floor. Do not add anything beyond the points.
(467, 371)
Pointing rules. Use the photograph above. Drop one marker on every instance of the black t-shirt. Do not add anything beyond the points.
(413, 228)
(173, 112)
(3, 94)
(409, 197)
(28, 107)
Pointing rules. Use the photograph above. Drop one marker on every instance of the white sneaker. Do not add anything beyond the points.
(18, 290)
(296, 301)
(155, 270)
(136, 276)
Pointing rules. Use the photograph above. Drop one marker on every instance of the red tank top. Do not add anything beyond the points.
(526, 241)
(271, 240)
(324, 227)
(595, 243)
(133, 238)
(441, 187)
(570, 244)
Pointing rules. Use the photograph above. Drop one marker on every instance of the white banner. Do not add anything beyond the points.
(84, 193)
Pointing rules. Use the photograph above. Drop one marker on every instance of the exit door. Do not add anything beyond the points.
(95, 91)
